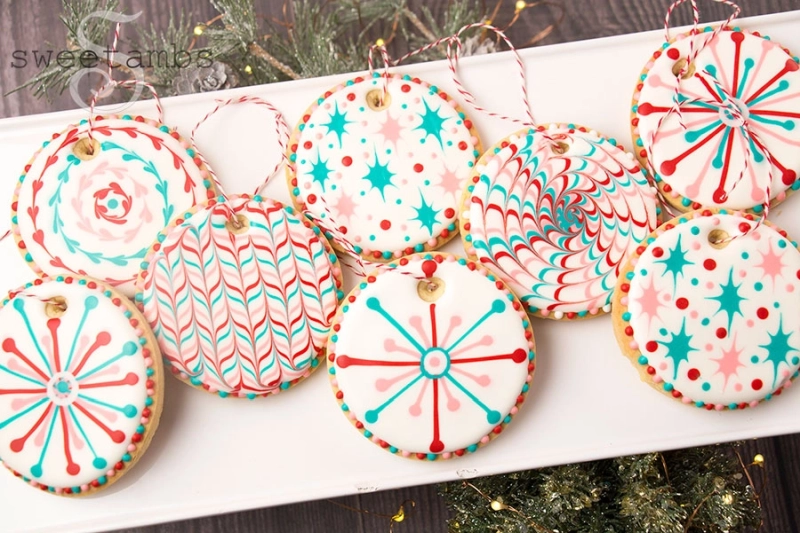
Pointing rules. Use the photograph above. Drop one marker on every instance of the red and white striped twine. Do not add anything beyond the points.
(281, 129)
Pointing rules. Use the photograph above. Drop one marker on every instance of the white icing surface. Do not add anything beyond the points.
(733, 330)
(95, 389)
(99, 217)
(404, 335)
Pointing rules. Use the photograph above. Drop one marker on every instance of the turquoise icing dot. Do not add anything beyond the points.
(419, 248)
(223, 394)
(392, 449)
(695, 230)
(339, 294)
(102, 480)
(462, 261)
(758, 285)
(643, 272)
(345, 408)
(796, 360)
(662, 331)
(387, 255)
(699, 404)
(531, 355)
(754, 359)
(431, 457)
(367, 433)
(733, 407)
(706, 387)
(99, 463)
(81, 282)
(472, 447)
(668, 387)
(629, 275)
(525, 388)
(686, 202)
(190, 152)
(126, 458)
(148, 401)
(285, 385)
(695, 281)
(626, 316)
(76, 490)
(331, 370)
(314, 363)
(759, 208)
(745, 255)
(642, 360)
(781, 243)
(251, 396)
(705, 322)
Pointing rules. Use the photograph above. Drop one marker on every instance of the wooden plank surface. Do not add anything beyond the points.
(34, 24)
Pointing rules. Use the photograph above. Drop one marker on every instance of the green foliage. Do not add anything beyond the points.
(695, 490)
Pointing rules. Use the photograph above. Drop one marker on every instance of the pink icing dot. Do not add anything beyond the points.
(357, 238)
(484, 439)
(686, 399)
(662, 366)
(719, 407)
(594, 311)
(144, 420)
(364, 123)
(667, 297)
(709, 285)
(473, 140)
(369, 217)
(790, 288)
(634, 260)
(454, 130)
(742, 273)
(624, 300)
(416, 100)
(750, 323)
(432, 242)
(696, 245)
(334, 382)
(694, 314)
(319, 136)
(326, 105)
(365, 155)
(306, 185)
(514, 410)
(657, 379)
(131, 448)
(446, 455)
(84, 487)
(545, 312)
(715, 221)
(634, 345)
(753, 403)
(738, 387)
(110, 473)
(405, 453)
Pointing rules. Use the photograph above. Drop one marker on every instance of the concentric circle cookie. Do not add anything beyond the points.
(241, 308)
(80, 385)
(553, 211)
(94, 209)
(738, 79)
(431, 358)
(388, 173)
(710, 320)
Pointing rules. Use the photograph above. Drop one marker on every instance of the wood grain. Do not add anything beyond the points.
(28, 25)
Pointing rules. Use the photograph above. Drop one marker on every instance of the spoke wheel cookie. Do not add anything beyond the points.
(556, 220)
(93, 209)
(241, 305)
(738, 77)
(388, 171)
(710, 320)
(434, 367)
(80, 385)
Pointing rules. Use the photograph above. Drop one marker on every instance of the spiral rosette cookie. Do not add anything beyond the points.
(387, 171)
(710, 316)
(432, 357)
(93, 209)
(80, 385)
(553, 212)
(740, 108)
(241, 294)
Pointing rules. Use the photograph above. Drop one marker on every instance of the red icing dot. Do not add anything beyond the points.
(351, 96)
(405, 88)
(658, 252)
(449, 212)
(651, 346)
(744, 227)
(307, 145)
(385, 224)
(429, 267)
(73, 469)
(737, 36)
(694, 374)
(721, 333)
(757, 384)
(418, 167)
(312, 198)
(709, 264)
(668, 169)
(462, 145)
(762, 313)
(682, 303)
(673, 53)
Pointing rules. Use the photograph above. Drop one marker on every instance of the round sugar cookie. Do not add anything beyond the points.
(714, 324)
(389, 175)
(556, 221)
(241, 312)
(96, 214)
(80, 385)
(432, 364)
(739, 76)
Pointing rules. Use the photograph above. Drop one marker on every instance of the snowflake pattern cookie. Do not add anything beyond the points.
(80, 385)
(389, 174)
(740, 101)
(431, 358)
(241, 311)
(93, 209)
(555, 221)
(710, 320)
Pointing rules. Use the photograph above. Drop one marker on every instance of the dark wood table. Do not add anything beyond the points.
(26, 25)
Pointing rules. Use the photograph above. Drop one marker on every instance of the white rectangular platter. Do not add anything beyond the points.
(212, 456)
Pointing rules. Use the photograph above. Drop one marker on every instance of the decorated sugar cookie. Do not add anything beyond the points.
(80, 385)
(431, 358)
(388, 173)
(94, 208)
(554, 211)
(241, 294)
(740, 102)
(713, 320)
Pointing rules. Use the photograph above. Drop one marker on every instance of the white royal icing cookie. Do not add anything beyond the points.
(739, 76)
(80, 387)
(431, 374)
(715, 325)
(390, 177)
(557, 226)
(242, 312)
(96, 215)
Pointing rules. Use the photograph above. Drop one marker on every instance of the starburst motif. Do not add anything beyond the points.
(649, 302)
(433, 361)
(58, 396)
(338, 123)
(729, 363)
(729, 300)
(771, 264)
(320, 172)
(432, 122)
(679, 346)
(379, 176)
(344, 207)
(450, 182)
(391, 129)
(676, 261)
(426, 214)
(778, 349)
